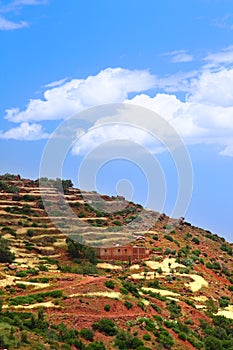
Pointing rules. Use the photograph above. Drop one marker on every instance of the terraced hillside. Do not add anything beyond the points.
(55, 294)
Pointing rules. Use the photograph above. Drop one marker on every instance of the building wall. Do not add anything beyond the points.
(121, 253)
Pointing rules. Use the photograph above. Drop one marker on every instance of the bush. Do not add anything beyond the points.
(5, 254)
(128, 304)
(226, 248)
(165, 338)
(117, 222)
(106, 326)
(169, 238)
(110, 284)
(30, 233)
(87, 334)
(195, 240)
(147, 337)
(154, 284)
(131, 288)
(224, 301)
(9, 230)
(214, 266)
(125, 340)
(97, 345)
(174, 308)
(107, 307)
(182, 336)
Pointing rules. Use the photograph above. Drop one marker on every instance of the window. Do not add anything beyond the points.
(119, 250)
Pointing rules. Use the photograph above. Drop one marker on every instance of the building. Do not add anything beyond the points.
(126, 252)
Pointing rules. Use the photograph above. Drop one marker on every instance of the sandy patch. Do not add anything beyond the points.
(200, 306)
(143, 275)
(198, 282)
(166, 265)
(9, 281)
(108, 266)
(201, 298)
(34, 284)
(162, 292)
(112, 295)
(227, 312)
(46, 304)
(135, 267)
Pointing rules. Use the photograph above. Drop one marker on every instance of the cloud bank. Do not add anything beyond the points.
(203, 116)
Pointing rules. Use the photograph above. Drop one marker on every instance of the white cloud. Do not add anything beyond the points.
(25, 131)
(213, 87)
(179, 56)
(109, 86)
(204, 114)
(228, 151)
(56, 83)
(221, 58)
(14, 7)
(10, 25)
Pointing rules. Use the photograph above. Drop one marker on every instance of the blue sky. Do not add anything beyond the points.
(173, 57)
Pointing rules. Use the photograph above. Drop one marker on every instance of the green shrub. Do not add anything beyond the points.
(30, 233)
(214, 266)
(106, 326)
(224, 301)
(174, 309)
(147, 337)
(21, 274)
(5, 254)
(128, 304)
(87, 334)
(141, 305)
(109, 284)
(165, 338)
(125, 340)
(131, 288)
(195, 240)
(107, 307)
(182, 336)
(156, 308)
(169, 238)
(97, 345)
(154, 284)
(124, 291)
(226, 248)
(21, 285)
(117, 222)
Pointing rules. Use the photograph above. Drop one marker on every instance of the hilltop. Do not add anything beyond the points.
(56, 294)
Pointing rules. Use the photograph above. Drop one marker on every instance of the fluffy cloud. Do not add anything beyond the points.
(204, 115)
(25, 131)
(109, 86)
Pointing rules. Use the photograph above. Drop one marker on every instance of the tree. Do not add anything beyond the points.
(80, 251)
(5, 254)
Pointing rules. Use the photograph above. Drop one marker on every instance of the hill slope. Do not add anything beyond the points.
(54, 294)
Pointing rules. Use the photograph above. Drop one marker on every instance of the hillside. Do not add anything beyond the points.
(57, 295)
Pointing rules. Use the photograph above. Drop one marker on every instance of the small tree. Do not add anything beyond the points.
(87, 334)
(5, 254)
